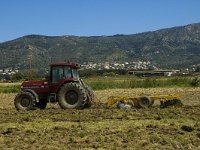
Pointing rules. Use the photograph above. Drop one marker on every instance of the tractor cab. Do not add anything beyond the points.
(62, 71)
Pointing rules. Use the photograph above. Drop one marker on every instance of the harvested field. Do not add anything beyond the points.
(104, 128)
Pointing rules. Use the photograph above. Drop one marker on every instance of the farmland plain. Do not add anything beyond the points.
(100, 127)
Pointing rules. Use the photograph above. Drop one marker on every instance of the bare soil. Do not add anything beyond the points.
(101, 127)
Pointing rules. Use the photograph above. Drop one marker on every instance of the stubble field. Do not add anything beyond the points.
(100, 127)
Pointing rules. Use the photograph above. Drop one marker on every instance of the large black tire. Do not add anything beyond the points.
(71, 95)
(24, 101)
(90, 97)
(144, 102)
(42, 104)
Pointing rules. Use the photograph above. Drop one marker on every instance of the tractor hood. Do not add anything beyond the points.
(36, 84)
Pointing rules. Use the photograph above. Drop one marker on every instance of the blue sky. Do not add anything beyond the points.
(93, 17)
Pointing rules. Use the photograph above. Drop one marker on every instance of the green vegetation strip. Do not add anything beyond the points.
(122, 82)
(9, 88)
(101, 83)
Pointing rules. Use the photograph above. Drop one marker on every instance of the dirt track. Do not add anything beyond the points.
(100, 127)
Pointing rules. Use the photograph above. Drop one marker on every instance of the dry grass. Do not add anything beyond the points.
(189, 96)
(6, 101)
(102, 128)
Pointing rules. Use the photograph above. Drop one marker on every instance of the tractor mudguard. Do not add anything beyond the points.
(33, 93)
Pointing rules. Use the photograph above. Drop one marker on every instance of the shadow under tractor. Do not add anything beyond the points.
(64, 86)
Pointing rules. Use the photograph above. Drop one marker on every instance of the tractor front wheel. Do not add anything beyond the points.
(72, 95)
(24, 101)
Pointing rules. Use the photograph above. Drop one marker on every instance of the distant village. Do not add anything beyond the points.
(140, 65)
(7, 73)
(140, 68)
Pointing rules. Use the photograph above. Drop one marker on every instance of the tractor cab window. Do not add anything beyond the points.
(75, 73)
(70, 73)
(60, 72)
(57, 74)
(67, 72)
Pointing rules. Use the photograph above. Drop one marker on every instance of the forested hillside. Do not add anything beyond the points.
(167, 48)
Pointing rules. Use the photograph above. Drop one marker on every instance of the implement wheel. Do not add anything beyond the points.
(152, 102)
(144, 102)
(24, 101)
(174, 102)
(71, 95)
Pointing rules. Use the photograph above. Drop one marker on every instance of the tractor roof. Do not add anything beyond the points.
(71, 64)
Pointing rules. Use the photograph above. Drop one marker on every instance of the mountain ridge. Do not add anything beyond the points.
(176, 47)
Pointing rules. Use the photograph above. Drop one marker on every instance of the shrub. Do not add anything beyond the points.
(195, 82)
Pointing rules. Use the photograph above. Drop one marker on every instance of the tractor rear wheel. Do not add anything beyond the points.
(24, 101)
(90, 97)
(72, 95)
(144, 102)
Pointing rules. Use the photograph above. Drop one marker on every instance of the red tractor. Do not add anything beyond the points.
(63, 86)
